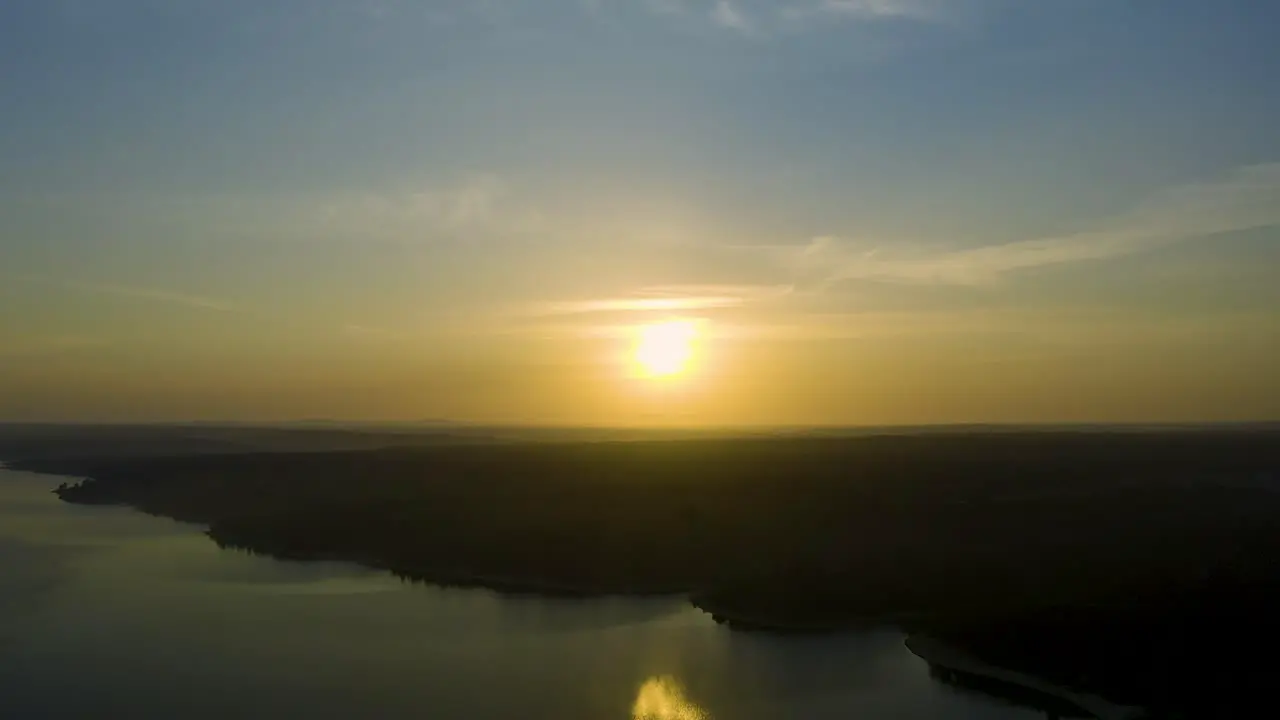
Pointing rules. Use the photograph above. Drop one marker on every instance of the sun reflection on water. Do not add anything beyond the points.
(662, 698)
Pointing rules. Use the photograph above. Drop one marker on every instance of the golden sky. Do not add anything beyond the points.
(891, 212)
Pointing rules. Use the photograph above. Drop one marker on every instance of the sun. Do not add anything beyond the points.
(664, 349)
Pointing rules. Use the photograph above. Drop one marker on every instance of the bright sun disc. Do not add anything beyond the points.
(664, 349)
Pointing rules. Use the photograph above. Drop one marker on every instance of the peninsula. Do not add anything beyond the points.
(1138, 567)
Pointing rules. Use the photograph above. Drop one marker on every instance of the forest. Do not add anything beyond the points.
(1140, 566)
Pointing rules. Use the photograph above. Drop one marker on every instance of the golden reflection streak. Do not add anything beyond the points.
(662, 698)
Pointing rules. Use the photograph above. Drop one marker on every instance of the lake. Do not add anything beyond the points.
(108, 613)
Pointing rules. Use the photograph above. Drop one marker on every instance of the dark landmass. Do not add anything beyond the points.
(41, 442)
(1010, 694)
(35, 443)
(1142, 567)
(968, 675)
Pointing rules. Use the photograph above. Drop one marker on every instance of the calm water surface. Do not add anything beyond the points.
(108, 613)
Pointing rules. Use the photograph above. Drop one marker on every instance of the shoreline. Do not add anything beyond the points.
(937, 652)
(1072, 557)
(925, 647)
(731, 619)
(506, 586)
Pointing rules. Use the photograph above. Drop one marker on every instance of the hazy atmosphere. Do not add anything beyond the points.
(640, 212)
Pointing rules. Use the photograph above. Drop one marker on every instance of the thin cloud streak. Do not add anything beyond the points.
(39, 347)
(736, 15)
(162, 296)
(148, 294)
(754, 18)
(727, 15)
(1249, 198)
(370, 332)
(478, 203)
(1050, 330)
(665, 298)
(607, 305)
(865, 9)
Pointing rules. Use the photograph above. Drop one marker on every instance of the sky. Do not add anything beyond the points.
(876, 212)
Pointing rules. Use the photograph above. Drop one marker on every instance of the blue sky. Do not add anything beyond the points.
(883, 210)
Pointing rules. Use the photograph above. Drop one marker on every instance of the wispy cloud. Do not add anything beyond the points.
(475, 202)
(668, 7)
(1049, 327)
(370, 332)
(29, 347)
(726, 14)
(472, 204)
(664, 298)
(865, 9)
(761, 17)
(1247, 198)
(147, 294)
(132, 292)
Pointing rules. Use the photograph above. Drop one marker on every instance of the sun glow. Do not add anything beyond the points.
(664, 349)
